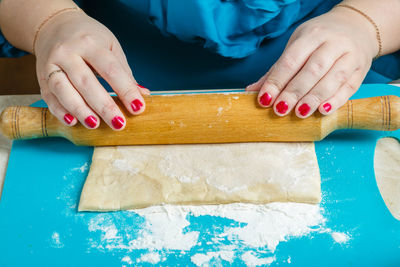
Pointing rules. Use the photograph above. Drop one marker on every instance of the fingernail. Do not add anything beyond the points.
(265, 99)
(304, 109)
(327, 107)
(136, 105)
(68, 118)
(141, 86)
(117, 122)
(282, 107)
(91, 121)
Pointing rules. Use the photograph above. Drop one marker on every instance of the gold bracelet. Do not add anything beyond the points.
(378, 35)
(49, 18)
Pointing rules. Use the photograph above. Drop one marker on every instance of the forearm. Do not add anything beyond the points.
(386, 15)
(20, 19)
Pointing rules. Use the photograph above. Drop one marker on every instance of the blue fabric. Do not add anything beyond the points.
(162, 62)
(7, 50)
(232, 28)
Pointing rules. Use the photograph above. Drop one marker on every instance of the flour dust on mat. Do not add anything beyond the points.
(247, 234)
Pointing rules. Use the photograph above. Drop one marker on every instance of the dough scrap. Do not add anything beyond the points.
(387, 173)
(132, 177)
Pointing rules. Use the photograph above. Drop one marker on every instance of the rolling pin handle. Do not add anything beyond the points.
(18, 122)
(380, 113)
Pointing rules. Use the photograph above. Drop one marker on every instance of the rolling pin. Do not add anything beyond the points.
(206, 118)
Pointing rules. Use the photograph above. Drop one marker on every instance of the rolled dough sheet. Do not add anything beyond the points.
(140, 176)
(387, 173)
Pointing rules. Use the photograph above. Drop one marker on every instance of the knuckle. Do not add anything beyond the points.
(107, 108)
(112, 70)
(128, 94)
(59, 50)
(88, 39)
(318, 96)
(56, 85)
(341, 76)
(316, 68)
(315, 30)
(83, 82)
(274, 83)
(287, 62)
(350, 87)
(78, 110)
(294, 94)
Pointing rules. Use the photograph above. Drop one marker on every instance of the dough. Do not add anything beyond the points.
(140, 176)
(387, 173)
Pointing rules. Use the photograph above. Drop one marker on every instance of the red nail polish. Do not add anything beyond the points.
(91, 121)
(282, 107)
(117, 122)
(141, 86)
(327, 107)
(68, 118)
(265, 99)
(136, 105)
(304, 109)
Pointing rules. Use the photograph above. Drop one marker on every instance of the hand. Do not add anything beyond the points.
(323, 65)
(76, 44)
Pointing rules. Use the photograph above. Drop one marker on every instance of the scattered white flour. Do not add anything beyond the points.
(201, 259)
(151, 257)
(82, 168)
(124, 165)
(252, 260)
(55, 237)
(168, 228)
(341, 238)
(220, 109)
(127, 259)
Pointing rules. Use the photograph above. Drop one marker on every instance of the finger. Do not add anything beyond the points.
(291, 61)
(94, 94)
(110, 68)
(343, 94)
(58, 110)
(317, 66)
(60, 86)
(119, 53)
(257, 85)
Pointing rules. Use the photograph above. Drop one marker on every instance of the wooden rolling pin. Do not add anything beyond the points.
(206, 118)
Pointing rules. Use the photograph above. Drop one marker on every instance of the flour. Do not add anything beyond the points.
(124, 165)
(201, 259)
(82, 168)
(55, 237)
(150, 258)
(251, 260)
(170, 228)
(340, 238)
(127, 259)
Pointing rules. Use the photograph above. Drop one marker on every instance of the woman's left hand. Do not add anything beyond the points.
(322, 66)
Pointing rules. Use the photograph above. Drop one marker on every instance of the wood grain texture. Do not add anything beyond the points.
(206, 118)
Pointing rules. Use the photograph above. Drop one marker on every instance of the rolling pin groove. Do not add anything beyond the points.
(16, 123)
(44, 126)
(383, 104)
(350, 114)
(390, 116)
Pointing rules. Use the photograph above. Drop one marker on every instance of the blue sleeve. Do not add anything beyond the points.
(229, 27)
(7, 50)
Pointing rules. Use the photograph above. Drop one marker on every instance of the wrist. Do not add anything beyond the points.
(52, 18)
(19, 19)
(365, 31)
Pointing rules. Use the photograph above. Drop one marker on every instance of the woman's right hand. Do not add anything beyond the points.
(69, 48)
